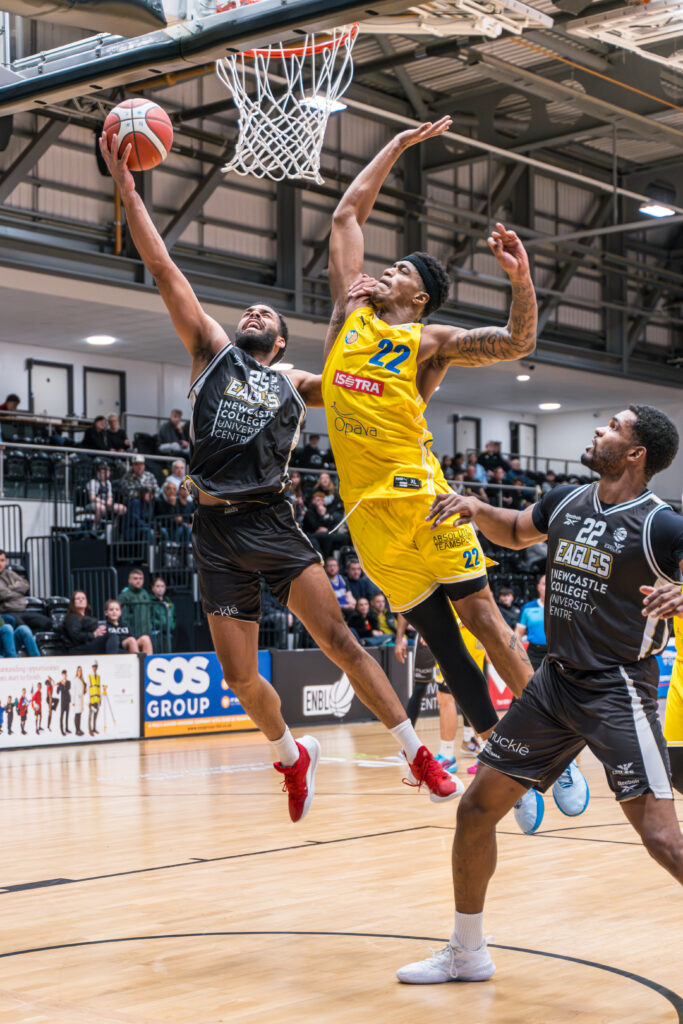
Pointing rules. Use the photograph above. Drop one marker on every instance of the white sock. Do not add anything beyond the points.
(447, 749)
(468, 931)
(285, 749)
(407, 739)
(467, 733)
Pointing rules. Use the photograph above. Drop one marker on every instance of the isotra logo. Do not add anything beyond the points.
(366, 385)
(177, 676)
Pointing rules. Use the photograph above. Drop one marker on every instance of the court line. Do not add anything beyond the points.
(672, 997)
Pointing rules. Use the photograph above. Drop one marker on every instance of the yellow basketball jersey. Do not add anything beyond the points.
(375, 414)
(678, 635)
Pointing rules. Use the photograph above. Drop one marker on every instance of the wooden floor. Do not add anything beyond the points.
(163, 882)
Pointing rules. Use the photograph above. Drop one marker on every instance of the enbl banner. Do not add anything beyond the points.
(186, 694)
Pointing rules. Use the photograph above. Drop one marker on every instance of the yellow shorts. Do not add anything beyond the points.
(404, 557)
(673, 718)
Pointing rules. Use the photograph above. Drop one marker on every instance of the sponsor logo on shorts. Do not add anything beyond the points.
(346, 425)
(623, 769)
(350, 338)
(227, 611)
(328, 698)
(509, 743)
(452, 539)
(626, 787)
(366, 385)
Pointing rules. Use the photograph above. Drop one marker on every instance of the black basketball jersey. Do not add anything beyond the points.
(245, 423)
(598, 558)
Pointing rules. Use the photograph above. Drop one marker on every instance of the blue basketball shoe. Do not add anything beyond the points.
(529, 811)
(571, 791)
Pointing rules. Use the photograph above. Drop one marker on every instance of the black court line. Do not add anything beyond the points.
(675, 1000)
(24, 886)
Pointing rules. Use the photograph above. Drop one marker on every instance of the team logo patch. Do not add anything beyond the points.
(366, 385)
(351, 338)
(620, 534)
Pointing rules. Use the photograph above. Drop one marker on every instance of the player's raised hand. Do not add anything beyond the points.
(509, 252)
(445, 506)
(428, 130)
(663, 602)
(118, 163)
(363, 286)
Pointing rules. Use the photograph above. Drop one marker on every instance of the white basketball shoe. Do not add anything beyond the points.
(450, 963)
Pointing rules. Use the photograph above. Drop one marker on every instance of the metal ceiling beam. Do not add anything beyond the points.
(410, 89)
(29, 157)
(612, 229)
(501, 192)
(651, 297)
(194, 202)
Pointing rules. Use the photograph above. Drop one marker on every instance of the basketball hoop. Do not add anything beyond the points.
(282, 126)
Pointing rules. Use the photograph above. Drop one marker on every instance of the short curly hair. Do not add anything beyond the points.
(441, 279)
(284, 334)
(658, 435)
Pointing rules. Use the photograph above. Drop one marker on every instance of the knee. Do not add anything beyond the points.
(663, 845)
(473, 814)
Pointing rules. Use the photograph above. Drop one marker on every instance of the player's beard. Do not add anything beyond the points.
(604, 461)
(261, 342)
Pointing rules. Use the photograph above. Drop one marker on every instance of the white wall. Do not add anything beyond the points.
(151, 388)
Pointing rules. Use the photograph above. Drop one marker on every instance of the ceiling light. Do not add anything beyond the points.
(549, 406)
(656, 210)
(523, 376)
(319, 102)
(285, 366)
(100, 339)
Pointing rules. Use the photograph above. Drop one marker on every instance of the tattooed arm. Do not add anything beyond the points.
(443, 346)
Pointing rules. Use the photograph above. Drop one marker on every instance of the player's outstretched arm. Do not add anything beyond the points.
(502, 526)
(346, 238)
(201, 334)
(454, 346)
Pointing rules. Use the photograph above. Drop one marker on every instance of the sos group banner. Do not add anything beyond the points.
(64, 699)
(186, 694)
(666, 663)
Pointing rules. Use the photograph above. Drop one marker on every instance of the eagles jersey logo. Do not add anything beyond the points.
(251, 394)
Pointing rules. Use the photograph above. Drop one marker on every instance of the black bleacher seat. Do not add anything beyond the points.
(146, 444)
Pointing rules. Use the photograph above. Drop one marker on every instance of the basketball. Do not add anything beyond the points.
(146, 126)
(341, 697)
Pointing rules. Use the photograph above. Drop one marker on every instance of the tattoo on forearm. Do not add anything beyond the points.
(489, 344)
(521, 651)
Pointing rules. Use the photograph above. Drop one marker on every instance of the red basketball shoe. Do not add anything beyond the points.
(426, 769)
(299, 777)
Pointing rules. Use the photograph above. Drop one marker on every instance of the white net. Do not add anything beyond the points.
(285, 97)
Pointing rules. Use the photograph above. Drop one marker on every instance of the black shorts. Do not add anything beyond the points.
(235, 545)
(562, 710)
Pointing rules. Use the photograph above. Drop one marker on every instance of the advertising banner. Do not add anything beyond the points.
(185, 694)
(666, 663)
(500, 695)
(63, 698)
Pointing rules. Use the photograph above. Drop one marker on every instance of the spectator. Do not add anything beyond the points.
(136, 603)
(101, 496)
(317, 523)
(448, 467)
(185, 504)
(96, 435)
(549, 482)
(358, 583)
(312, 457)
(10, 635)
(339, 584)
(532, 625)
(171, 437)
(498, 496)
(177, 474)
(163, 609)
(82, 631)
(491, 458)
(507, 607)
(11, 403)
(325, 484)
(135, 478)
(516, 473)
(472, 486)
(480, 473)
(13, 599)
(139, 522)
(175, 515)
(385, 618)
(520, 496)
(64, 691)
(295, 495)
(117, 439)
(459, 463)
(119, 631)
(458, 483)
(363, 622)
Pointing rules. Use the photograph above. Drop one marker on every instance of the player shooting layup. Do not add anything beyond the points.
(381, 443)
(245, 423)
(614, 571)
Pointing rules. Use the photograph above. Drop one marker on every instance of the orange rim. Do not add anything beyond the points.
(304, 51)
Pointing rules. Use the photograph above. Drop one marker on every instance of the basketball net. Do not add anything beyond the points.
(285, 96)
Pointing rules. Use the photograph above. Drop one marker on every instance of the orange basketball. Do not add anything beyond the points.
(146, 126)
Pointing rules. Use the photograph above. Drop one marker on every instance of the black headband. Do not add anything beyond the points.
(428, 280)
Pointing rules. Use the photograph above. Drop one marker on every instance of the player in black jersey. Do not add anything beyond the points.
(614, 571)
(245, 424)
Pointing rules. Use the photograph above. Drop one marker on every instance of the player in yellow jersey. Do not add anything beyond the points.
(382, 444)
(673, 719)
